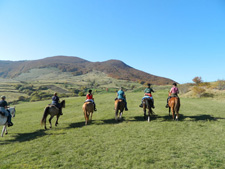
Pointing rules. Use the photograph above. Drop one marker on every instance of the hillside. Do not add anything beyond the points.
(77, 66)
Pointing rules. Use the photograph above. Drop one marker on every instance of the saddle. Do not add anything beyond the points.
(174, 96)
(52, 105)
(119, 99)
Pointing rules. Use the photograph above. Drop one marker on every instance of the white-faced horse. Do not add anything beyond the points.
(4, 121)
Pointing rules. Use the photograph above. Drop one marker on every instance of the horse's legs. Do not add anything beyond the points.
(86, 117)
(3, 130)
(169, 111)
(177, 115)
(149, 112)
(6, 131)
(91, 116)
(144, 113)
(116, 114)
(57, 118)
(173, 113)
(50, 121)
(121, 114)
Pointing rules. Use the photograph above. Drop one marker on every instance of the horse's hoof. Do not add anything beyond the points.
(6, 133)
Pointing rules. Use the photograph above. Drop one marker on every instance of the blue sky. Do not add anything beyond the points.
(177, 39)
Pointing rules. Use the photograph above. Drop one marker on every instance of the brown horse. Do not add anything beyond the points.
(119, 107)
(52, 110)
(147, 104)
(88, 109)
(174, 106)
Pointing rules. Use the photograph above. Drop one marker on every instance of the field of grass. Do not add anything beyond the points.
(196, 141)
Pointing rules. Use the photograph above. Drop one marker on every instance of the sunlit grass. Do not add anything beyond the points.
(196, 141)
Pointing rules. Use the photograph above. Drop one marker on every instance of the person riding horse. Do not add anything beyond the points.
(4, 111)
(148, 94)
(55, 102)
(174, 91)
(121, 95)
(89, 98)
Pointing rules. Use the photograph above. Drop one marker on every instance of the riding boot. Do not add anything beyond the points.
(141, 105)
(153, 104)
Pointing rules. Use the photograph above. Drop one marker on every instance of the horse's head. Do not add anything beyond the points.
(169, 94)
(12, 111)
(63, 103)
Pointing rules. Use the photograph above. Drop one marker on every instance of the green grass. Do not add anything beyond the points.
(196, 141)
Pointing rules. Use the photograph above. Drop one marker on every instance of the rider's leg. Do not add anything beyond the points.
(167, 102)
(153, 106)
(141, 105)
(9, 119)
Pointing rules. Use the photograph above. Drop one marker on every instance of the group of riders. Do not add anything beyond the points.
(174, 91)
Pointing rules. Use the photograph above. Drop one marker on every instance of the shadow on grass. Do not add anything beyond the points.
(141, 118)
(201, 117)
(22, 137)
(95, 122)
(78, 124)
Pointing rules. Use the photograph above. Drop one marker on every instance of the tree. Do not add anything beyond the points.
(197, 80)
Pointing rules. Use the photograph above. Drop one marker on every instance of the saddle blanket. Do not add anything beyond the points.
(147, 97)
(89, 100)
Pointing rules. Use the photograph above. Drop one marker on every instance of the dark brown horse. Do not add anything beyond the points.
(88, 109)
(52, 110)
(119, 108)
(147, 104)
(174, 106)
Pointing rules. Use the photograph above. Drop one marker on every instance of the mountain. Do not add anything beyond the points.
(77, 66)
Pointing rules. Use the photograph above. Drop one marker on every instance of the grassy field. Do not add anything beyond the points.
(196, 141)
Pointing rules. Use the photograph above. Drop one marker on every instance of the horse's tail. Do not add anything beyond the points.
(43, 120)
(177, 105)
(85, 109)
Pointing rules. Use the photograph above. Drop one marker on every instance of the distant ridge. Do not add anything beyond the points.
(78, 66)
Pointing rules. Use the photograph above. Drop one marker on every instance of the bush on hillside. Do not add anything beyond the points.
(198, 91)
(184, 88)
(22, 98)
(220, 84)
(81, 94)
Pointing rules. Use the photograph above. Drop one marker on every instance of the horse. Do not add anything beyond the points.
(52, 110)
(88, 109)
(147, 104)
(174, 106)
(3, 120)
(119, 107)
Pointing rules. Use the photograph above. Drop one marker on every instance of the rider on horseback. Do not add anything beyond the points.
(174, 91)
(121, 95)
(55, 102)
(148, 94)
(89, 98)
(4, 111)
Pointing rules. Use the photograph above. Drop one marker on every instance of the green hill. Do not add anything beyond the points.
(77, 66)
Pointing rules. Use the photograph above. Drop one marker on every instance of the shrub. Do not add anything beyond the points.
(81, 94)
(184, 88)
(21, 98)
(221, 84)
(198, 91)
